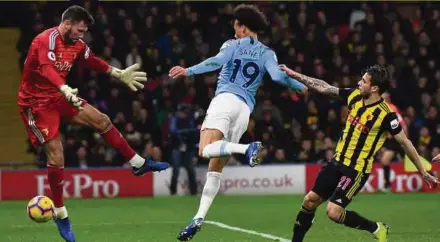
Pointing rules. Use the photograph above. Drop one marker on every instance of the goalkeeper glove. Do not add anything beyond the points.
(130, 76)
(71, 96)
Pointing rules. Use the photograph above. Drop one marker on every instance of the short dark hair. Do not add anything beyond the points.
(379, 77)
(251, 17)
(77, 13)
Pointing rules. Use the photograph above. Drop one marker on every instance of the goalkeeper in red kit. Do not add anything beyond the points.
(44, 98)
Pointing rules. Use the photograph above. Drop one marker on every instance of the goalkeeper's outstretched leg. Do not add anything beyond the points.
(93, 118)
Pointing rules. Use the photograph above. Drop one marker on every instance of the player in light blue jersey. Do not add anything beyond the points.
(244, 62)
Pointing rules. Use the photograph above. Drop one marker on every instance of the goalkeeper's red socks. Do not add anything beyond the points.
(114, 138)
(55, 176)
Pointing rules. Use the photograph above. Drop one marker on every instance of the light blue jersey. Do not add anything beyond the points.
(244, 61)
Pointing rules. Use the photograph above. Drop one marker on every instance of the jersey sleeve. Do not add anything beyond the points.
(344, 93)
(46, 60)
(215, 62)
(391, 123)
(45, 50)
(277, 75)
(93, 62)
(272, 67)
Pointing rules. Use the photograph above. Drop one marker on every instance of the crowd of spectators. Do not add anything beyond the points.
(330, 41)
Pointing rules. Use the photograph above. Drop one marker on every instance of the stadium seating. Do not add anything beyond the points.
(332, 43)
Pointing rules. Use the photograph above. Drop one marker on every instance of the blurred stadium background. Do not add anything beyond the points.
(329, 40)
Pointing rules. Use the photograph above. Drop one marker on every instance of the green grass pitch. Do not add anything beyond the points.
(412, 217)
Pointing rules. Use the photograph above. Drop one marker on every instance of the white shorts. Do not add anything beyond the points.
(229, 114)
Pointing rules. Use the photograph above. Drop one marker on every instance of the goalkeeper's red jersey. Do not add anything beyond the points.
(47, 64)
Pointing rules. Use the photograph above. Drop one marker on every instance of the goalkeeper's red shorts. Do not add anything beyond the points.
(43, 125)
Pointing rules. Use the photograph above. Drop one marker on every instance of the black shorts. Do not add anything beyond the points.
(339, 183)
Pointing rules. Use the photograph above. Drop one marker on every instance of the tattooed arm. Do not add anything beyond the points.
(319, 85)
(312, 83)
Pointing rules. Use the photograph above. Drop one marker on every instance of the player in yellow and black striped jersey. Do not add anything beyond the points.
(365, 131)
(369, 120)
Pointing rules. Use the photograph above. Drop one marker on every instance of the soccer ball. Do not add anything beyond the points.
(41, 209)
